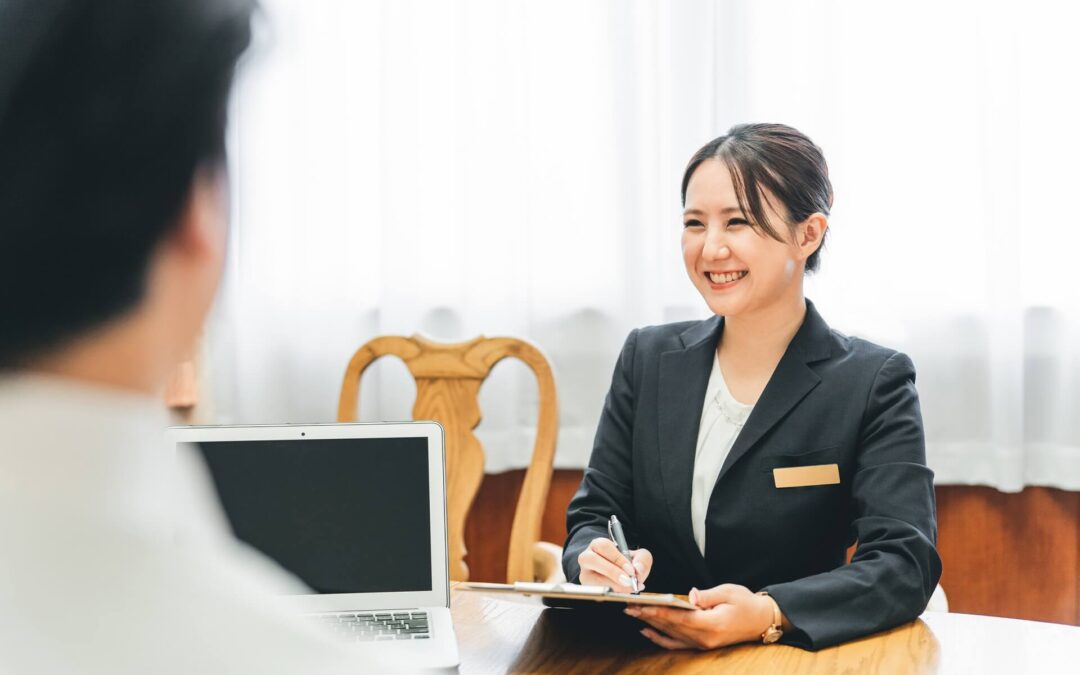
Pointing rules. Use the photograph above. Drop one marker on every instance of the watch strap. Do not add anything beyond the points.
(775, 631)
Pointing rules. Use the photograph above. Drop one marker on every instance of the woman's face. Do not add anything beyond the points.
(736, 268)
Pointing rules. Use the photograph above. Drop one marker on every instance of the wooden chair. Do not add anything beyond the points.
(448, 379)
(939, 602)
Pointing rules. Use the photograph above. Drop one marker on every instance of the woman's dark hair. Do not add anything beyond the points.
(776, 158)
(108, 109)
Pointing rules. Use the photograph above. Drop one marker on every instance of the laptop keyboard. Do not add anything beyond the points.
(373, 626)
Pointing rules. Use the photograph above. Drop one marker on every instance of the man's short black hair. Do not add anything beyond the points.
(108, 108)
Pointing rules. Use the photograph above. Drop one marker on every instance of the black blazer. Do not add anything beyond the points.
(832, 400)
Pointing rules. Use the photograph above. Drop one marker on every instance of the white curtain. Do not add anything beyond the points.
(502, 167)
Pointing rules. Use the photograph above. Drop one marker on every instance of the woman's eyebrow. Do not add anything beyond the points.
(726, 209)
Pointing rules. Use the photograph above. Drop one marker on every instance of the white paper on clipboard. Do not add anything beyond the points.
(579, 592)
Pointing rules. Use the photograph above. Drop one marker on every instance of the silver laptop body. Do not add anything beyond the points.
(357, 512)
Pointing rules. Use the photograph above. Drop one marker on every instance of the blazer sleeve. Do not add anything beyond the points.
(896, 565)
(607, 486)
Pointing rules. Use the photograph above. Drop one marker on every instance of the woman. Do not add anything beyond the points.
(745, 453)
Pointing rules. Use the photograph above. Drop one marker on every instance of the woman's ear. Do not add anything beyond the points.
(810, 234)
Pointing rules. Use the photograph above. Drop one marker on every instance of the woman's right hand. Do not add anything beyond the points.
(602, 565)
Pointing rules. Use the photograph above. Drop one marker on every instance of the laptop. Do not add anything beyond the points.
(355, 511)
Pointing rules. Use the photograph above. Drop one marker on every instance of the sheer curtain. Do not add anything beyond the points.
(511, 168)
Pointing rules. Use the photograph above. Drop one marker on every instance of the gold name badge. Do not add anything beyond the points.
(804, 476)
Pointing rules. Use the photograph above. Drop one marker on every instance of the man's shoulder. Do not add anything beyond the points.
(153, 606)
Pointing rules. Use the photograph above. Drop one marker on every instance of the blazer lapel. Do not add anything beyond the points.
(684, 376)
(789, 384)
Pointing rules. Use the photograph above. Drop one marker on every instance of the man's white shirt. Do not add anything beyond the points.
(115, 557)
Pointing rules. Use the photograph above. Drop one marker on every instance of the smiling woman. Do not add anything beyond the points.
(734, 193)
(746, 452)
(762, 160)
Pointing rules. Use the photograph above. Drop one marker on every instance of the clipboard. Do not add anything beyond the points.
(578, 592)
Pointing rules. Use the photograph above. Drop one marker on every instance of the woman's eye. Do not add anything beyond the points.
(693, 223)
(734, 222)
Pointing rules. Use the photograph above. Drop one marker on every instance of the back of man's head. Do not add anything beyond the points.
(108, 108)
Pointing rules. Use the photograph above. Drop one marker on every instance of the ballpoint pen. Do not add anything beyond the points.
(615, 531)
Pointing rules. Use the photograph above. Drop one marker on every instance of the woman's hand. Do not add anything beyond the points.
(729, 614)
(602, 565)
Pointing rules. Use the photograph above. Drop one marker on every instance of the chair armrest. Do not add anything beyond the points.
(938, 601)
(547, 563)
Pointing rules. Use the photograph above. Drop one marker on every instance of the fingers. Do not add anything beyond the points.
(665, 641)
(659, 615)
(693, 628)
(593, 579)
(598, 570)
(728, 621)
(670, 629)
(642, 562)
(607, 549)
(711, 597)
(603, 564)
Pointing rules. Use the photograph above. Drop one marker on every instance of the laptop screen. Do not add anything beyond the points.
(344, 515)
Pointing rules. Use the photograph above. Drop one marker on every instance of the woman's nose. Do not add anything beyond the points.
(715, 248)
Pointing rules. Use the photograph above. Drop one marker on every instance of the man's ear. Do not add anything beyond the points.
(201, 223)
(810, 234)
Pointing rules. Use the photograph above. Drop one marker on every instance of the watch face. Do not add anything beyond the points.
(772, 635)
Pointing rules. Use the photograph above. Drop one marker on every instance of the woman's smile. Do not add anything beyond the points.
(719, 281)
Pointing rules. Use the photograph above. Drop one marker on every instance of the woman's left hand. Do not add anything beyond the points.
(729, 614)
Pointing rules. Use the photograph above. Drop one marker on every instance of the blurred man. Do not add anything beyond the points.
(112, 241)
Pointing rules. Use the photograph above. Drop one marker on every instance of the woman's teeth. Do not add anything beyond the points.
(725, 278)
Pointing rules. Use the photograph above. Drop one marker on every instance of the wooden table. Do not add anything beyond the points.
(499, 634)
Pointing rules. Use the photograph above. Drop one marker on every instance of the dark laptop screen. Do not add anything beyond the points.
(344, 515)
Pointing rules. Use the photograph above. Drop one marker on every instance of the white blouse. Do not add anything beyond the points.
(722, 419)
